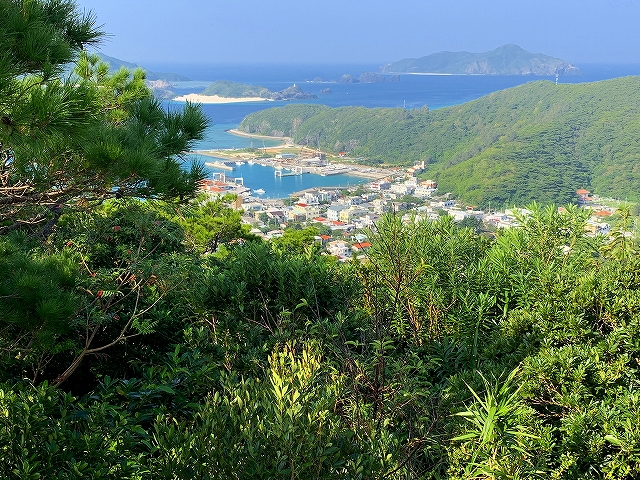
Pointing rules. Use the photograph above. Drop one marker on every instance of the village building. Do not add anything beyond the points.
(333, 212)
(339, 248)
(380, 186)
(305, 210)
(422, 191)
(402, 188)
(361, 246)
(348, 214)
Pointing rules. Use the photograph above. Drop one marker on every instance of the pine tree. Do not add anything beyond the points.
(73, 140)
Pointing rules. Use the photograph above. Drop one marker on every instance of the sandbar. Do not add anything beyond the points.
(197, 98)
(240, 133)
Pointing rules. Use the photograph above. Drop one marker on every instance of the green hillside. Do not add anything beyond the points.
(227, 89)
(537, 141)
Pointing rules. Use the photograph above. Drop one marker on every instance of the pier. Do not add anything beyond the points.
(294, 172)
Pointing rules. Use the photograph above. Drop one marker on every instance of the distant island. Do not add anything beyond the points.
(504, 60)
(365, 77)
(369, 77)
(224, 91)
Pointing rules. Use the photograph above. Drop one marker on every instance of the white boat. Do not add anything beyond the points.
(239, 163)
(259, 191)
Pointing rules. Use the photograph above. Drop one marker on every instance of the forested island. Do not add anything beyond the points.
(504, 60)
(539, 141)
(228, 89)
(146, 333)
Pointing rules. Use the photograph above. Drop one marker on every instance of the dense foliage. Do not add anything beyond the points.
(228, 89)
(536, 142)
(76, 141)
(142, 338)
(444, 355)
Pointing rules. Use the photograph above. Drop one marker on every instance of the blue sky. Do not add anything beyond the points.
(355, 31)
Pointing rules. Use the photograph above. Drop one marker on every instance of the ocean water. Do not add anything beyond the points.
(411, 91)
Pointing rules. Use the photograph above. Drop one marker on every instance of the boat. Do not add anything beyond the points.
(239, 163)
(259, 191)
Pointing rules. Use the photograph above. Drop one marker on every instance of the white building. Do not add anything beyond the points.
(422, 191)
(339, 248)
(333, 212)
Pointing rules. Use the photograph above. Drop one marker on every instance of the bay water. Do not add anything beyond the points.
(410, 92)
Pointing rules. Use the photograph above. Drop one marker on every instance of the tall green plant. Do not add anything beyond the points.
(283, 426)
(498, 444)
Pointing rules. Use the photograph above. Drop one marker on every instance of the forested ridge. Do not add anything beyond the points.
(535, 142)
(225, 88)
(145, 333)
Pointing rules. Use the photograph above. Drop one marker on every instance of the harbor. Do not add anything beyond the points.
(227, 159)
(270, 177)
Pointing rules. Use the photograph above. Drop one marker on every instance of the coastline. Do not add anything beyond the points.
(354, 169)
(239, 133)
(362, 171)
(216, 99)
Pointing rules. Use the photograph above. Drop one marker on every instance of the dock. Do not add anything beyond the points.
(295, 171)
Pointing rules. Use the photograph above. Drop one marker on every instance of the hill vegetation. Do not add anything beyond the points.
(504, 60)
(227, 89)
(537, 141)
(146, 334)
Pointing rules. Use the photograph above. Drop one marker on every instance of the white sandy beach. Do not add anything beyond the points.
(197, 98)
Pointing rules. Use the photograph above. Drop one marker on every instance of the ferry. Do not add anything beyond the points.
(259, 191)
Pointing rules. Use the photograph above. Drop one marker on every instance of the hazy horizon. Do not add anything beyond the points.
(375, 32)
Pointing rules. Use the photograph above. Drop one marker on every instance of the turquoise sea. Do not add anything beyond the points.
(411, 91)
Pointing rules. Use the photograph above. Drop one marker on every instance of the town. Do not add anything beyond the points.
(343, 216)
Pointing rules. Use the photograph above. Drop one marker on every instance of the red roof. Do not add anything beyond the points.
(582, 191)
(336, 222)
(325, 237)
(603, 213)
(301, 204)
(319, 219)
(361, 245)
